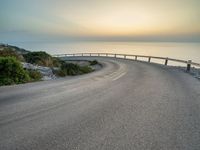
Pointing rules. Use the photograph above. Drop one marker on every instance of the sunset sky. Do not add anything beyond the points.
(112, 20)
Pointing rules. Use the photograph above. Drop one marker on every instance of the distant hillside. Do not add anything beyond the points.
(40, 58)
(13, 48)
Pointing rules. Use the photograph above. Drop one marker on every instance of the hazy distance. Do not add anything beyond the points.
(94, 20)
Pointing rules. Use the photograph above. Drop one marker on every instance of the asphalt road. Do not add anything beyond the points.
(126, 105)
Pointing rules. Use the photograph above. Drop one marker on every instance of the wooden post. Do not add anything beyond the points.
(90, 54)
(166, 61)
(135, 57)
(115, 56)
(106, 55)
(189, 65)
(98, 54)
(149, 59)
(124, 56)
(82, 54)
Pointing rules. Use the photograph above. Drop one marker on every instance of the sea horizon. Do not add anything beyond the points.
(178, 50)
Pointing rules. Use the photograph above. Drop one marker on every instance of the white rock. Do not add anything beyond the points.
(46, 72)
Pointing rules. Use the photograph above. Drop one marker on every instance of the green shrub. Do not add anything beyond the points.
(60, 73)
(56, 62)
(94, 62)
(35, 75)
(39, 58)
(72, 69)
(85, 69)
(12, 72)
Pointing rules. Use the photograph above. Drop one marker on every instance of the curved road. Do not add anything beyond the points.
(126, 105)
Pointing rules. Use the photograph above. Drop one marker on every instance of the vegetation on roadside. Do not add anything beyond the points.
(94, 62)
(12, 71)
(72, 70)
(35, 75)
(42, 59)
(85, 69)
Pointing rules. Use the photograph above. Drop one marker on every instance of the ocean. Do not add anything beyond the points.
(185, 51)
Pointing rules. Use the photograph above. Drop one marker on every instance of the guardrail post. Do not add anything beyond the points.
(106, 55)
(115, 56)
(149, 59)
(124, 56)
(98, 54)
(189, 65)
(90, 54)
(135, 57)
(82, 54)
(73, 54)
(166, 61)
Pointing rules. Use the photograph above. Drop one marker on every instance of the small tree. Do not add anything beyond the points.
(12, 72)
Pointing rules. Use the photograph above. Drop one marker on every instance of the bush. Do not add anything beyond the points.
(57, 62)
(60, 73)
(12, 71)
(94, 62)
(85, 69)
(40, 58)
(35, 75)
(72, 69)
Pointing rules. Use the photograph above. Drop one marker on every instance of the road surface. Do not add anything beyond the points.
(127, 105)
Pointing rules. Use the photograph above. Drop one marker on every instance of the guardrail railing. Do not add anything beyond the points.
(188, 63)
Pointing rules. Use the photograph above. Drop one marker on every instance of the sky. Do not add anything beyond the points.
(99, 20)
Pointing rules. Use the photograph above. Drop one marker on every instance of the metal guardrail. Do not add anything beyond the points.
(188, 63)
